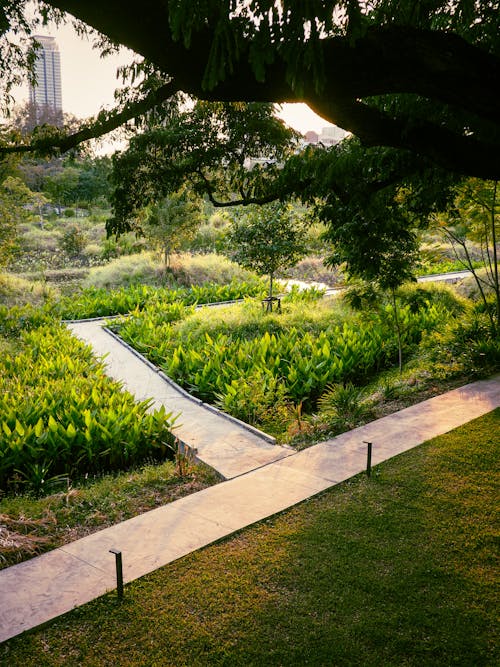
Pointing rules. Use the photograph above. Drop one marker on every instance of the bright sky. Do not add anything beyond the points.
(88, 82)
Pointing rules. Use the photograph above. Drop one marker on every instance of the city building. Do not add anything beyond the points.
(45, 96)
(329, 136)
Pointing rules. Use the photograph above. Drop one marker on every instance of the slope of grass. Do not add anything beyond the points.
(393, 570)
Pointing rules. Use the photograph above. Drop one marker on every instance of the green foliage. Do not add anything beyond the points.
(126, 269)
(16, 291)
(61, 415)
(188, 269)
(15, 320)
(99, 302)
(206, 146)
(73, 241)
(267, 239)
(475, 218)
(246, 368)
(172, 222)
(467, 346)
(373, 208)
(343, 406)
(62, 186)
(13, 196)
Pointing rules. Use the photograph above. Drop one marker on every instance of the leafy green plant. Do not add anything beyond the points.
(99, 302)
(344, 405)
(250, 366)
(61, 415)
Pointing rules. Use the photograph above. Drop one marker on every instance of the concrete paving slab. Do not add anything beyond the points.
(160, 536)
(230, 448)
(44, 588)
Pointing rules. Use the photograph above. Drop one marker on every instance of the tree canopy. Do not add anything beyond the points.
(419, 76)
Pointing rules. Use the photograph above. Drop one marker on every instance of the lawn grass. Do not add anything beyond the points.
(393, 570)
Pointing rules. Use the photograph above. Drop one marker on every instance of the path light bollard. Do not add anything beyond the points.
(119, 572)
(368, 458)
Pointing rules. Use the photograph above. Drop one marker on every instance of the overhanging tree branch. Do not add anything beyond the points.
(105, 123)
(387, 58)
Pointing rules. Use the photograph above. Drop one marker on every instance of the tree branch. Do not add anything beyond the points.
(437, 65)
(104, 124)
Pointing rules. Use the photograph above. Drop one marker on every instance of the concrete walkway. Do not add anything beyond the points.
(224, 443)
(45, 587)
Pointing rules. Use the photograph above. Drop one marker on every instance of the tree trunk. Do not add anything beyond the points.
(496, 285)
(398, 330)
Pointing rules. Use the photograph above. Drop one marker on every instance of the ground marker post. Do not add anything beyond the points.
(119, 572)
(368, 458)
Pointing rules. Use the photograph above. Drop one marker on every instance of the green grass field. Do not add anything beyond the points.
(394, 570)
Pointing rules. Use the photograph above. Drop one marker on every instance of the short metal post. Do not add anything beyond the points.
(368, 458)
(119, 572)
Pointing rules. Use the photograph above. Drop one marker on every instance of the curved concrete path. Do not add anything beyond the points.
(38, 590)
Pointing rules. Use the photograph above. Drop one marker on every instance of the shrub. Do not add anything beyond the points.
(199, 269)
(343, 406)
(466, 346)
(418, 295)
(73, 241)
(125, 270)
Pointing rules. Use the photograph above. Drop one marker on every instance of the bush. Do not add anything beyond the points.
(343, 406)
(464, 347)
(73, 241)
(125, 270)
(199, 269)
(418, 296)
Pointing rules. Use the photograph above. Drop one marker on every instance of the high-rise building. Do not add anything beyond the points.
(45, 96)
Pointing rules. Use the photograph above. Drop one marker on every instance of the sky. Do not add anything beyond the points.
(88, 82)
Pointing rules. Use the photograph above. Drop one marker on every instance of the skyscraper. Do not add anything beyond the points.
(45, 96)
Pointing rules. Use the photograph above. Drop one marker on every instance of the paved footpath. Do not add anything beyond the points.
(45, 587)
(229, 446)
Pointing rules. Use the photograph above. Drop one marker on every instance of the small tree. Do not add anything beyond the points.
(14, 196)
(377, 243)
(73, 241)
(266, 239)
(172, 222)
(475, 219)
